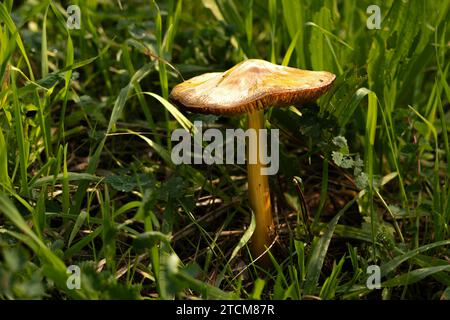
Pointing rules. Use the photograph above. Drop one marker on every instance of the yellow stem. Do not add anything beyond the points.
(259, 195)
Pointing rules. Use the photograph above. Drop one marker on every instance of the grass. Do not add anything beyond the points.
(86, 177)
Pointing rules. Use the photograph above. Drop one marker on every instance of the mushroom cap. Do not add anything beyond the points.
(250, 85)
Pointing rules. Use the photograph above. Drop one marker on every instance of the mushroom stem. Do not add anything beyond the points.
(259, 195)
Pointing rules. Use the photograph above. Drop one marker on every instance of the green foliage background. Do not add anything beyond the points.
(85, 171)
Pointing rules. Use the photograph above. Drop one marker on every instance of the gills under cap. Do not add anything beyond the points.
(250, 85)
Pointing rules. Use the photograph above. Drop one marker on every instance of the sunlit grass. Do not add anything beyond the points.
(86, 177)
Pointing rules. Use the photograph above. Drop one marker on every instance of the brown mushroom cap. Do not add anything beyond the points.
(250, 85)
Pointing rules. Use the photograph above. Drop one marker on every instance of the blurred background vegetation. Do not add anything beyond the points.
(86, 177)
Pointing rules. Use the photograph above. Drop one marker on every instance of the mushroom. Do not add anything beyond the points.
(251, 87)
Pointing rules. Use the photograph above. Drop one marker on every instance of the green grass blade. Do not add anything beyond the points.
(54, 268)
(244, 239)
(5, 17)
(4, 176)
(394, 263)
(317, 256)
(414, 276)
